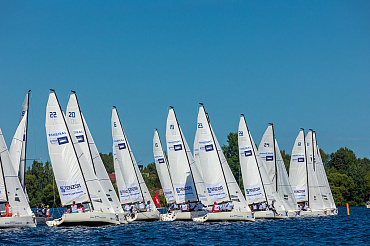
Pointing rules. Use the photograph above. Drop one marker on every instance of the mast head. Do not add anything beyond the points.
(201, 104)
(114, 107)
(171, 107)
(52, 90)
(271, 124)
(310, 130)
(29, 91)
(74, 92)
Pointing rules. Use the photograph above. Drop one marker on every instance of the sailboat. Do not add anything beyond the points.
(77, 124)
(258, 186)
(11, 193)
(220, 182)
(186, 178)
(303, 178)
(130, 172)
(274, 164)
(73, 173)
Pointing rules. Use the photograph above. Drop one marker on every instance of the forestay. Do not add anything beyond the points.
(257, 185)
(187, 181)
(275, 167)
(162, 169)
(74, 175)
(217, 175)
(10, 187)
(315, 198)
(130, 171)
(322, 178)
(77, 125)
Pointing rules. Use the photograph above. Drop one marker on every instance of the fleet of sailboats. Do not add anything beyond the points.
(202, 181)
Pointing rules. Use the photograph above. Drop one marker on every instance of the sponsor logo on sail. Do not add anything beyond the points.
(208, 147)
(161, 160)
(121, 146)
(177, 147)
(269, 158)
(62, 140)
(80, 138)
(301, 159)
(248, 153)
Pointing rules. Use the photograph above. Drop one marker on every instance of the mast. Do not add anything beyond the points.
(182, 141)
(313, 150)
(2, 170)
(274, 156)
(83, 125)
(74, 149)
(22, 174)
(219, 160)
(129, 150)
(255, 157)
(169, 174)
(305, 157)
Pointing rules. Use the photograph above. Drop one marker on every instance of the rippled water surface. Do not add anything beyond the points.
(333, 230)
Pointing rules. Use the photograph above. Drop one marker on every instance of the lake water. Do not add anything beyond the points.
(333, 230)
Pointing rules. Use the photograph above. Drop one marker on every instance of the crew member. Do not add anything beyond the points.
(9, 210)
(127, 207)
(141, 207)
(191, 206)
(148, 207)
(215, 208)
(254, 207)
(47, 211)
(184, 207)
(305, 208)
(230, 206)
(74, 207)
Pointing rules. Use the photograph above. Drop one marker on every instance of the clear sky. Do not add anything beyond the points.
(294, 63)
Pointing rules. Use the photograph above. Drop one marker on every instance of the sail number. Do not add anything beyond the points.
(72, 115)
(53, 114)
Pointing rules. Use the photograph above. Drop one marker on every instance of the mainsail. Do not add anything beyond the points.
(10, 188)
(220, 182)
(187, 180)
(77, 124)
(274, 164)
(18, 146)
(162, 169)
(258, 186)
(129, 169)
(73, 173)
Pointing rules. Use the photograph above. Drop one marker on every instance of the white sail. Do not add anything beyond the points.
(162, 169)
(124, 194)
(186, 178)
(129, 169)
(315, 198)
(298, 169)
(322, 178)
(18, 151)
(10, 187)
(205, 131)
(73, 173)
(77, 125)
(275, 167)
(16, 146)
(258, 187)
(196, 153)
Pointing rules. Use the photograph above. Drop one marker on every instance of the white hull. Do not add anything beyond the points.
(85, 219)
(122, 218)
(225, 216)
(367, 205)
(269, 214)
(294, 213)
(313, 213)
(331, 211)
(17, 221)
(131, 219)
(152, 215)
(181, 216)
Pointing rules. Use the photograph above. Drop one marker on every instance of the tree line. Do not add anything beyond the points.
(348, 176)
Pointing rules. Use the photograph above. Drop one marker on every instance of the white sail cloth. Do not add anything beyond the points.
(17, 144)
(10, 188)
(220, 182)
(187, 181)
(130, 171)
(73, 173)
(275, 167)
(77, 125)
(258, 187)
(124, 194)
(162, 169)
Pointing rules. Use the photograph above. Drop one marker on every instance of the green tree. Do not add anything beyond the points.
(286, 159)
(231, 152)
(342, 186)
(108, 162)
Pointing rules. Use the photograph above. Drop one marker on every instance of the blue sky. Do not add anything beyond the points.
(294, 63)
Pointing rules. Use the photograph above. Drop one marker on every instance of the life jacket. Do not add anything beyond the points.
(47, 212)
(216, 208)
(9, 210)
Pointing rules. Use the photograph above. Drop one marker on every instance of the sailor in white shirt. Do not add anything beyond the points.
(305, 208)
(184, 207)
(74, 207)
(230, 206)
(264, 206)
(141, 206)
(148, 207)
(127, 207)
(254, 207)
